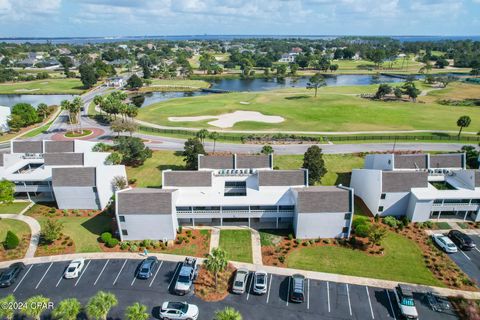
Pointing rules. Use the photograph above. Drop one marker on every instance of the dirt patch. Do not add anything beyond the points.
(205, 284)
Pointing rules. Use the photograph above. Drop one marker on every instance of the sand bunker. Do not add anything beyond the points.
(26, 90)
(228, 120)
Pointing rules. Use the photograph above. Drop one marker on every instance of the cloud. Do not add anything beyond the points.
(28, 9)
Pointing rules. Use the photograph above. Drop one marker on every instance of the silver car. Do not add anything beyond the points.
(240, 281)
(260, 282)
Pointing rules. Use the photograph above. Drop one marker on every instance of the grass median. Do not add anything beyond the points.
(237, 244)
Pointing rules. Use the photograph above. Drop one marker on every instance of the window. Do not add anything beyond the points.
(348, 216)
(235, 188)
(380, 209)
(345, 230)
(383, 196)
(121, 218)
(475, 201)
(124, 232)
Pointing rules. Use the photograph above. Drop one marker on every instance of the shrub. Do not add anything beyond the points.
(305, 243)
(391, 221)
(317, 240)
(132, 181)
(290, 236)
(362, 230)
(11, 240)
(123, 245)
(187, 240)
(281, 259)
(194, 237)
(180, 229)
(353, 240)
(133, 248)
(297, 242)
(105, 237)
(189, 233)
(312, 241)
(428, 224)
(90, 214)
(70, 243)
(376, 218)
(326, 241)
(405, 221)
(52, 210)
(360, 220)
(112, 242)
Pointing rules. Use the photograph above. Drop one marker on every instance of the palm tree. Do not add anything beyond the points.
(100, 304)
(137, 311)
(33, 306)
(463, 122)
(202, 134)
(214, 136)
(315, 82)
(7, 313)
(67, 309)
(73, 107)
(216, 262)
(426, 68)
(228, 313)
(42, 110)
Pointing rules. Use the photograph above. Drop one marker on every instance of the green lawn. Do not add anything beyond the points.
(14, 207)
(237, 244)
(402, 261)
(175, 85)
(20, 228)
(339, 166)
(83, 230)
(150, 173)
(330, 111)
(46, 86)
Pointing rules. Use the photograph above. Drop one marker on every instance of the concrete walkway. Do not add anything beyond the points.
(256, 248)
(214, 239)
(34, 229)
(322, 276)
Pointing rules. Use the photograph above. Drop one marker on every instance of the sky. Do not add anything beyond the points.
(72, 18)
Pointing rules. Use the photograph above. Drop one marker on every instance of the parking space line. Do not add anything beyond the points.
(173, 277)
(288, 290)
(38, 284)
(269, 287)
(134, 278)
(369, 302)
(103, 269)
(391, 305)
(18, 284)
(59, 280)
(251, 286)
(308, 293)
(158, 269)
(477, 249)
(83, 271)
(119, 272)
(465, 255)
(348, 297)
(328, 296)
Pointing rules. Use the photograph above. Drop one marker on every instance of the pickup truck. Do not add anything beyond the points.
(187, 275)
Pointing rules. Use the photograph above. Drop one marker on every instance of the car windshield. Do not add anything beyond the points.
(71, 269)
(261, 279)
(178, 306)
(297, 295)
(144, 270)
(407, 301)
(184, 279)
(451, 245)
(238, 283)
(4, 277)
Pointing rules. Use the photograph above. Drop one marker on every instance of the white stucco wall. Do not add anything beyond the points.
(104, 176)
(367, 185)
(379, 161)
(394, 204)
(419, 210)
(148, 226)
(320, 225)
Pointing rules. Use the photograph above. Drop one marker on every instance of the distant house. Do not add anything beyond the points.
(123, 46)
(296, 50)
(151, 46)
(65, 51)
(287, 57)
(119, 62)
(115, 82)
(4, 116)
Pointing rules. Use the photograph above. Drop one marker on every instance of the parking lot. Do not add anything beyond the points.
(323, 300)
(469, 261)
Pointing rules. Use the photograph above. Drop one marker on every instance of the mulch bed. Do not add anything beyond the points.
(466, 309)
(205, 284)
(16, 253)
(48, 211)
(64, 245)
(96, 132)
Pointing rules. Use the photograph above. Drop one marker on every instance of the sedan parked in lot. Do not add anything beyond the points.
(463, 241)
(297, 288)
(260, 282)
(445, 243)
(74, 268)
(9, 276)
(146, 268)
(178, 311)
(405, 301)
(240, 281)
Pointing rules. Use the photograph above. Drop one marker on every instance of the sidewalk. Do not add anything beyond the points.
(34, 229)
(322, 276)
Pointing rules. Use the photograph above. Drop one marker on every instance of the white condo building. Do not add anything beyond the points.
(420, 186)
(67, 172)
(235, 190)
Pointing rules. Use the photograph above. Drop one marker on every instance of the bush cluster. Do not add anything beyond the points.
(11, 240)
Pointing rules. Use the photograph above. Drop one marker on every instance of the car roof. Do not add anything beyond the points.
(175, 305)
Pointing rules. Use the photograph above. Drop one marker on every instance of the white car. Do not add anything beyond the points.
(74, 268)
(445, 243)
(405, 301)
(260, 282)
(178, 311)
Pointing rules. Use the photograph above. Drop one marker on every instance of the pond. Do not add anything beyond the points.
(10, 100)
(260, 84)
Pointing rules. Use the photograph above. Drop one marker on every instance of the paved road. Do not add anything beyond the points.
(469, 261)
(323, 300)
